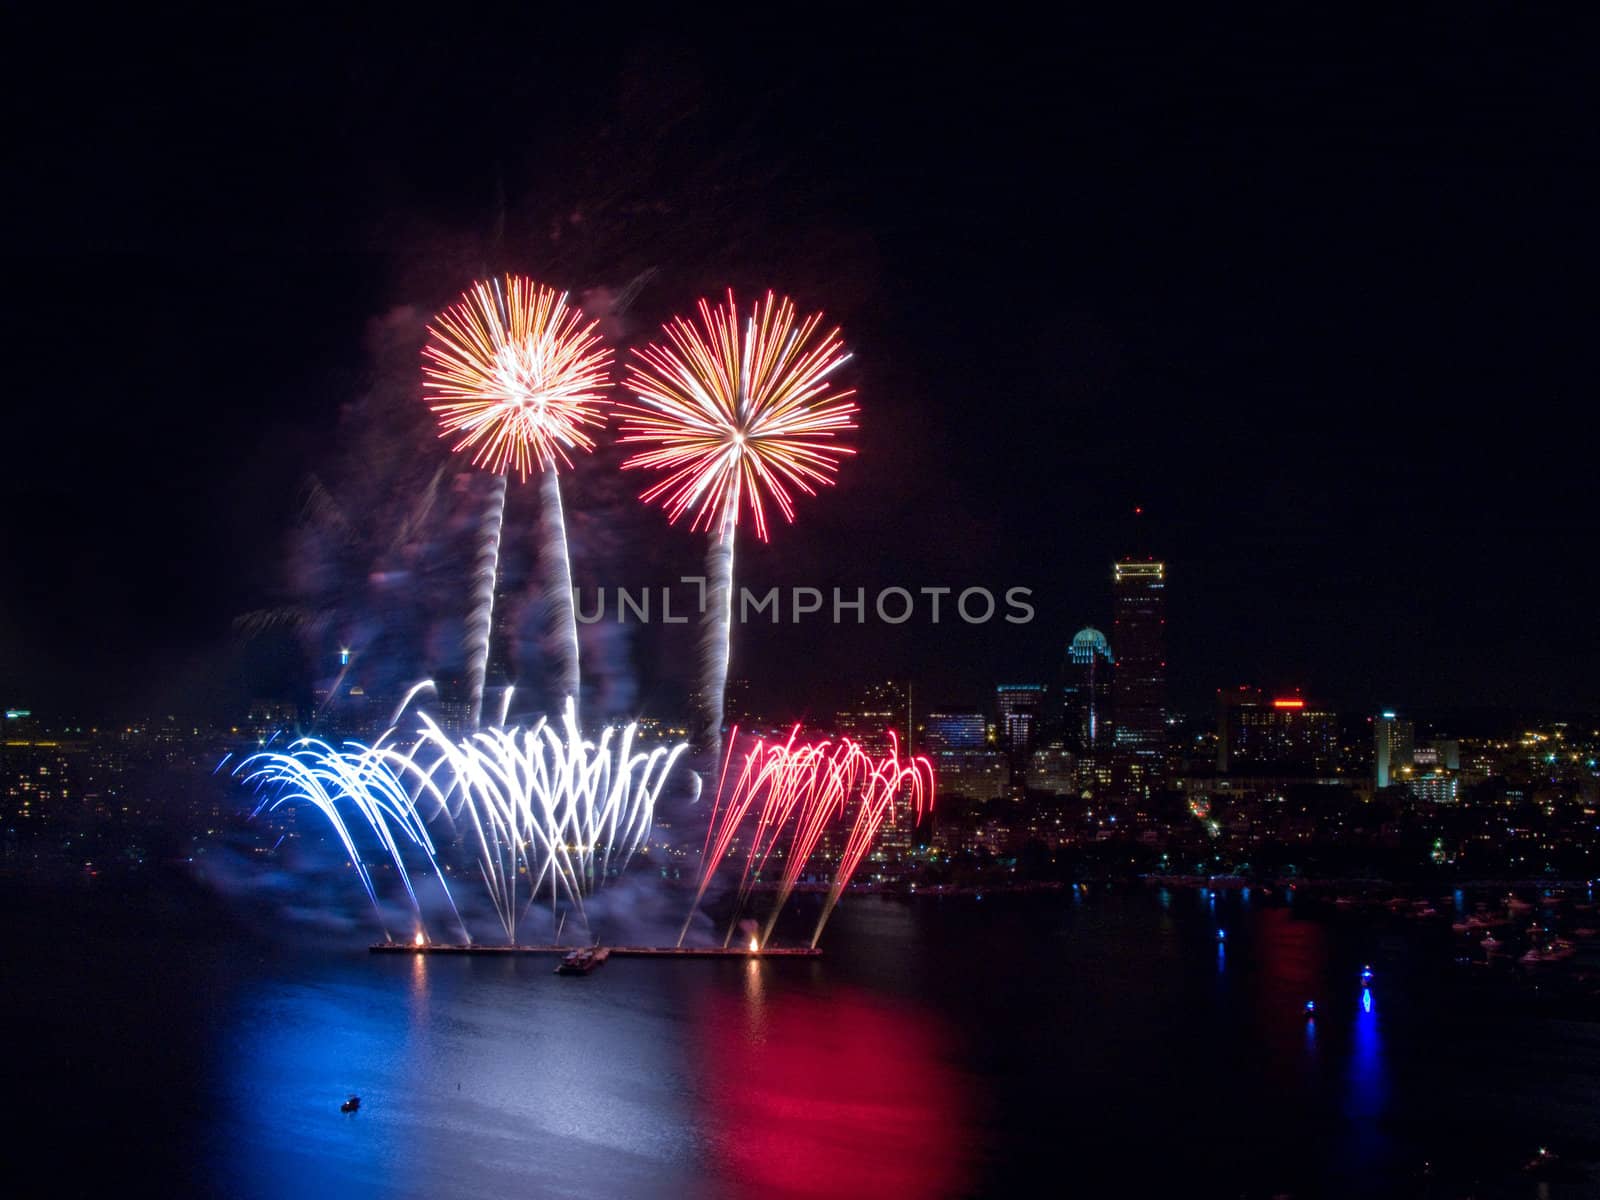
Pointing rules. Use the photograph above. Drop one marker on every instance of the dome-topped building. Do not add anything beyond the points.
(1086, 694)
(1087, 644)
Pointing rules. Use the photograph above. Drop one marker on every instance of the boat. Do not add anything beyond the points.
(583, 960)
(350, 1105)
(1551, 952)
(1545, 1160)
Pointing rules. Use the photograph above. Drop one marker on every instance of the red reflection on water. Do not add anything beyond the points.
(1293, 957)
(837, 1096)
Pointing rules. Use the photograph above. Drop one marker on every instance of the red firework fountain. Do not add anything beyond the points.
(803, 788)
(888, 778)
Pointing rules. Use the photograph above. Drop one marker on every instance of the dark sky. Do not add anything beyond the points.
(1318, 295)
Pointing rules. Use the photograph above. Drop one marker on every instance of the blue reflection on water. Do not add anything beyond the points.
(1367, 1074)
(1368, 1082)
(491, 1064)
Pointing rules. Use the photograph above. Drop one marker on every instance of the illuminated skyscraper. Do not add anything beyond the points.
(1394, 743)
(1138, 630)
(883, 708)
(1018, 709)
(959, 731)
(1086, 694)
(964, 764)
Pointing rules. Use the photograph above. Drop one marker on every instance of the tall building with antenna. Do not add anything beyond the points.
(1139, 691)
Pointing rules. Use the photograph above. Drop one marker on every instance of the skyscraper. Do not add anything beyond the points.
(953, 730)
(1086, 694)
(964, 764)
(1394, 742)
(1018, 709)
(883, 708)
(1139, 691)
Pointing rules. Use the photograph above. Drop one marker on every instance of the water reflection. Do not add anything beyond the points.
(828, 1096)
(1292, 956)
(477, 1078)
(1367, 1090)
(1367, 1076)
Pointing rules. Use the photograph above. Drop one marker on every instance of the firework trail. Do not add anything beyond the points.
(720, 835)
(543, 802)
(562, 631)
(885, 780)
(513, 373)
(735, 414)
(716, 638)
(840, 772)
(313, 772)
(415, 690)
(789, 778)
(485, 574)
(800, 790)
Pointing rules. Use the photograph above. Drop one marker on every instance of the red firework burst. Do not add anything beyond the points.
(737, 412)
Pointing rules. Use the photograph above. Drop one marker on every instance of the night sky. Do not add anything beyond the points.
(1316, 296)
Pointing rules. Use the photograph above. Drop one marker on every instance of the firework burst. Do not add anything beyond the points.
(737, 412)
(516, 376)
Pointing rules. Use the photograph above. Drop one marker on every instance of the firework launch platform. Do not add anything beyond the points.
(616, 951)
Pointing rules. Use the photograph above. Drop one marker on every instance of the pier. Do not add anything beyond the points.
(615, 951)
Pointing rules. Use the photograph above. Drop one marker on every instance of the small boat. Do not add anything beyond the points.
(350, 1105)
(1541, 1162)
(582, 961)
(1552, 952)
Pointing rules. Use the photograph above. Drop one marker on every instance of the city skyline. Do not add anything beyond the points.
(1047, 665)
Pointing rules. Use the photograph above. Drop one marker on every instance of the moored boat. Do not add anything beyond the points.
(583, 960)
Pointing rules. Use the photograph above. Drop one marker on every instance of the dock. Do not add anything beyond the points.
(615, 951)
